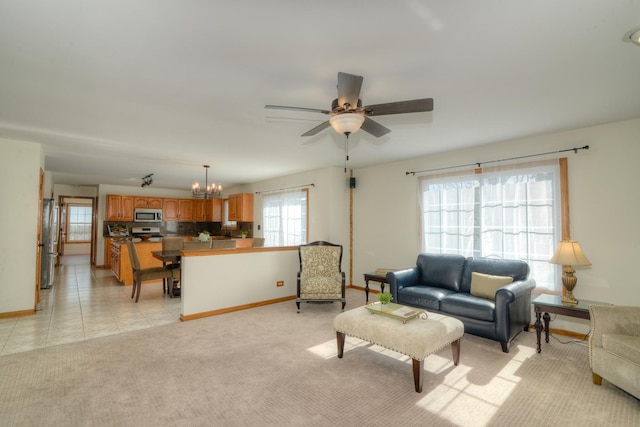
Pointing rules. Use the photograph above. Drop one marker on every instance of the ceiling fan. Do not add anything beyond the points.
(348, 115)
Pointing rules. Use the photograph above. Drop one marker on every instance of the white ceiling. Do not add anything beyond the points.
(118, 89)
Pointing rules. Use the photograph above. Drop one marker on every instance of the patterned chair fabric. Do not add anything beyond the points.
(320, 277)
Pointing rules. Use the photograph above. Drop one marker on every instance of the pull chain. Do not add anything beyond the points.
(346, 151)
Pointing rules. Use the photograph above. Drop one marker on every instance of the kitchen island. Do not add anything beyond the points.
(121, 263)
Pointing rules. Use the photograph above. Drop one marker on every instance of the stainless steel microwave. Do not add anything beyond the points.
(147, 215)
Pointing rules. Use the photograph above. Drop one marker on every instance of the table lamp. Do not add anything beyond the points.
(569, 253)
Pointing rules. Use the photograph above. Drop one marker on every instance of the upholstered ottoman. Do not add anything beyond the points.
(416, 338)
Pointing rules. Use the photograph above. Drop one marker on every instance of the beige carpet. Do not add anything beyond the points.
(271, 366)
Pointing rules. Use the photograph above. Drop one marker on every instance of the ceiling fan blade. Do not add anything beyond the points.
(400, 107)
(374, 128)
(349, 89)
(284, 107)
(316, 129)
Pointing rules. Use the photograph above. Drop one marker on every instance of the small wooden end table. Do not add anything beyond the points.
(376, 278)
(553, 304)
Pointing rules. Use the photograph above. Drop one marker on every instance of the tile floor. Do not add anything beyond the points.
(86, 303)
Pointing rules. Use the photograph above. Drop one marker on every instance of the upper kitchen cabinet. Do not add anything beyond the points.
(209, 210)
(241, 207)
(119, 208)
(214, 210)
(185, 210)
(148, 202)
(200, 210)
(177, 210)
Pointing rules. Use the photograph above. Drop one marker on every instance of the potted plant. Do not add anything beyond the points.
(244, 234)
(385, 298)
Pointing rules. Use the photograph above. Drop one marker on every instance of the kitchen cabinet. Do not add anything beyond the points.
(115, 259)
(170, 209)
(119, 208)
(209, 210)
(107, 252)
(214, 210)
(148, 202)
(200, 210)
(177, 210)
(241, 207)
(185, 210)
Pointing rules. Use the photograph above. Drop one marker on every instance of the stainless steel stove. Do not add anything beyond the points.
(153, 233)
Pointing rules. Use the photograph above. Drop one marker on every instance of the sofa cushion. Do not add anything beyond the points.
(466, 305)
(486, 285)
(423, 296)
(625, 346)
(516, 269)
(441, 271)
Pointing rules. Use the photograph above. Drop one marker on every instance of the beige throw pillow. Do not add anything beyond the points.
(486, 285)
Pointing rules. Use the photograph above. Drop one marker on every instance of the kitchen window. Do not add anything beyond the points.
(508, 212)
(284, 217)
(228, 225)
(79, 219)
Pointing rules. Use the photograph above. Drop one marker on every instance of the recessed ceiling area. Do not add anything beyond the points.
(121, 89)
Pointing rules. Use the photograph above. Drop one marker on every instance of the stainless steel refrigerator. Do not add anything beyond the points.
(49, 242)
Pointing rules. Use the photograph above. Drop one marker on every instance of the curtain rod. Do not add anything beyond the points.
(287, 188)
(478, 164)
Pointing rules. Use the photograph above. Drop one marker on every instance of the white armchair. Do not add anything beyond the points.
(614, 346)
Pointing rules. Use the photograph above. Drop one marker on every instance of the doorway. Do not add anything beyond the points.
(77, 227)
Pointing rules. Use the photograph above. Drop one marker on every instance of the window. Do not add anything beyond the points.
(231, 225)
(511, 212)
(79, 223)
(284, 217)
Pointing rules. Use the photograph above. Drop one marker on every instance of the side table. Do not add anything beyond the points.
(553, 304)
(382, 279)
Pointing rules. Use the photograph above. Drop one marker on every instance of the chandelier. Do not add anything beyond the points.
(209, 190)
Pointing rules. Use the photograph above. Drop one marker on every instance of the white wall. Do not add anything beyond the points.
(215, 282)
(20, 165)
(603, 196)
(328, 204)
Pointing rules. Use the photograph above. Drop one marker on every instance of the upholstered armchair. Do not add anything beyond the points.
(614, 346)
(320, 277)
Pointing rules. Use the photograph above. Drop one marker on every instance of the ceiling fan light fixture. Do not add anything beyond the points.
(346, 123)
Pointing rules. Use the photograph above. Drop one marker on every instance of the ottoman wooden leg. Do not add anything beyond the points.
(340, 340)
(418, 369)
(455, 352)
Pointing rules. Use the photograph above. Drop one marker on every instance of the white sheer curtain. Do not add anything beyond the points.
(284, 217)
(509, 211)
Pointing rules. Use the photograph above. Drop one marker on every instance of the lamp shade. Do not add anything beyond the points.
(569, 253)
(346, 123)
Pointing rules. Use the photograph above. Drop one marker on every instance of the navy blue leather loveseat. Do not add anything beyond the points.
(443, 284)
